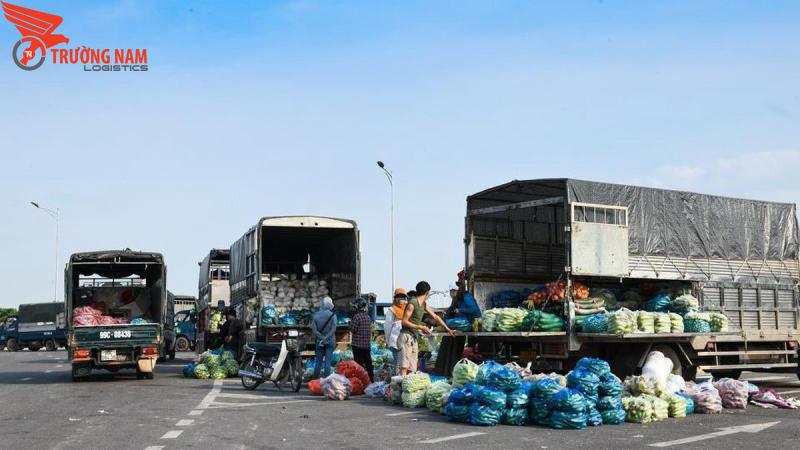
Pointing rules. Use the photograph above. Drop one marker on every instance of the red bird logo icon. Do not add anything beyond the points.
(37, 31)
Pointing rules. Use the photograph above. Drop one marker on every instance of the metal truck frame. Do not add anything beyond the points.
(213, 286)
(92, 275)
(736, 256)
(278, 245)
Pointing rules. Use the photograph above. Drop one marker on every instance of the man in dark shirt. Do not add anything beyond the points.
(361, 334)
(231, 330)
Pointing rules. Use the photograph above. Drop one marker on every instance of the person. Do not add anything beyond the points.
(360, 336)
(413, 325)
(463, 303)
(230, 331)
(392, 325)
(323, 326)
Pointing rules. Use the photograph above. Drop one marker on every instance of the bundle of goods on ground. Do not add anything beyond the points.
(215, 364)
(382, 362)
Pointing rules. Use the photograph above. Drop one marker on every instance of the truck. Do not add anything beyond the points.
(279, 253)
(185, 330)
(35, 326)
(214, 293)
(736, 256)
(116, 311)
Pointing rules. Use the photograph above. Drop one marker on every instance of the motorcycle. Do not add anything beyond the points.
(272, 362)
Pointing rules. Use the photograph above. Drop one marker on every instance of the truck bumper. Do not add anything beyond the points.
(146, 364)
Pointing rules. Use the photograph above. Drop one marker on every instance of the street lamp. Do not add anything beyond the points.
(391, 211)
(53, 214)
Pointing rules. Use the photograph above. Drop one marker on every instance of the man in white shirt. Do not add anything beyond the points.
(393, 324)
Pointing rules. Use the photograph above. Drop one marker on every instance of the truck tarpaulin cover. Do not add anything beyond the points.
(685, 224)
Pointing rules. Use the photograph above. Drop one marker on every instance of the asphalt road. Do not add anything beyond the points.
(42, 408)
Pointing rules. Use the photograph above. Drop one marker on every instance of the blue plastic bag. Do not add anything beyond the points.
(539, 410)
(569, 401)
(459, 323)
(457, 413)
(597, 366)
(463, 395)
(613, 416)
(545, 388)
(610, 385)
(484, 370)
(689, 403)
(585, 381)
(506, 299)
(484, 415)
(515, 416)
(596, 323)
(505, 379)
(609, 402)
(492, 398)
(517, 398)
(593, 417)
(659, 303)
(567, 420)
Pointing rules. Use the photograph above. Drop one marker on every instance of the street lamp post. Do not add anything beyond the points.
(53, 214)
(391, 211)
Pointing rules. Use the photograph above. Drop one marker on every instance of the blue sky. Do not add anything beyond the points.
(283, 107)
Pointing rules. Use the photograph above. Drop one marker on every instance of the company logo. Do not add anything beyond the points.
(37, 28)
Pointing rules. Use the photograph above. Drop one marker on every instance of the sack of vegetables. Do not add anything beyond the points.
(484, 415)
(464, 372)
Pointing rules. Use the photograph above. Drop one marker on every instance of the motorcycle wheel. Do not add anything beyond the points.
(249, 383)
(296, 373)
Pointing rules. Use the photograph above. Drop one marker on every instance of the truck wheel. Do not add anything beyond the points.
(182, 344)
(11, 345)
(624, 364)
(50, 345)
(34, 348)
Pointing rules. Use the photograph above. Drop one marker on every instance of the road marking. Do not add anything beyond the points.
(184, 422)
(401, 414)
(209, 398)
(25, 379)
(48, 371)
(765, 378)
(196, 412)
(450, 438)
(219, 405)
(752, 428)
(172, 434)
(59, 366)
(154, 447)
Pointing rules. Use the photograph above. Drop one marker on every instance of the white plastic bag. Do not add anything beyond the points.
(336, 387)
(657, 367)
(675, 383)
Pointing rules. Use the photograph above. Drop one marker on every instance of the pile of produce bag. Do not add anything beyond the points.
(537, 320)
(657, 367)
(351, 369)
(637, 409)
(215, 320)
(677, 406)
(541, 395)
(289, 292)
(484, 370)
(659, 303)
(216, 364)
(636, 385)
(393, 393)
(336, 387)
(685, 302)
(585, 382)
(459, 402)
(706, 398)
(610, 408)
(646, 322)
(589, 306)
(515, 416)
(434, 395)
(510, 319)
(414, 387)
(663, 323)
(489, 320)
(696, 325)
(608, 296)
(480, 414)
(459, 323)
(269, 315)
(315, 387)
(464, 372)
(718, 322)
(596, 323)
(376, 390)
(622, 321)
(734, 393)
(676, 323)
(569, 409)
(94, 315)
(491, 397)
(503, 378)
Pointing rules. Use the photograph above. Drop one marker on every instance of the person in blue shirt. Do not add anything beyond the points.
(463, 303)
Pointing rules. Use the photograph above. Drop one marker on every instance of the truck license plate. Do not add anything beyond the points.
(108, 355)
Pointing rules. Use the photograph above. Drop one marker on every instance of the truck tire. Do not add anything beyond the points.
(50, 345)
(182, 344)
(12, 345)
(34, 348)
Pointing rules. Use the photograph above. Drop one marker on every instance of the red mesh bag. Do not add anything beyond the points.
(351, 369)
(358, 386)
(314, 387)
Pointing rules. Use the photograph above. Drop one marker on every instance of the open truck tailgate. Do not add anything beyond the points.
(107, 336)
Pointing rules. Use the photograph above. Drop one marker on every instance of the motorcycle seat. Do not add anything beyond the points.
(265, 349)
